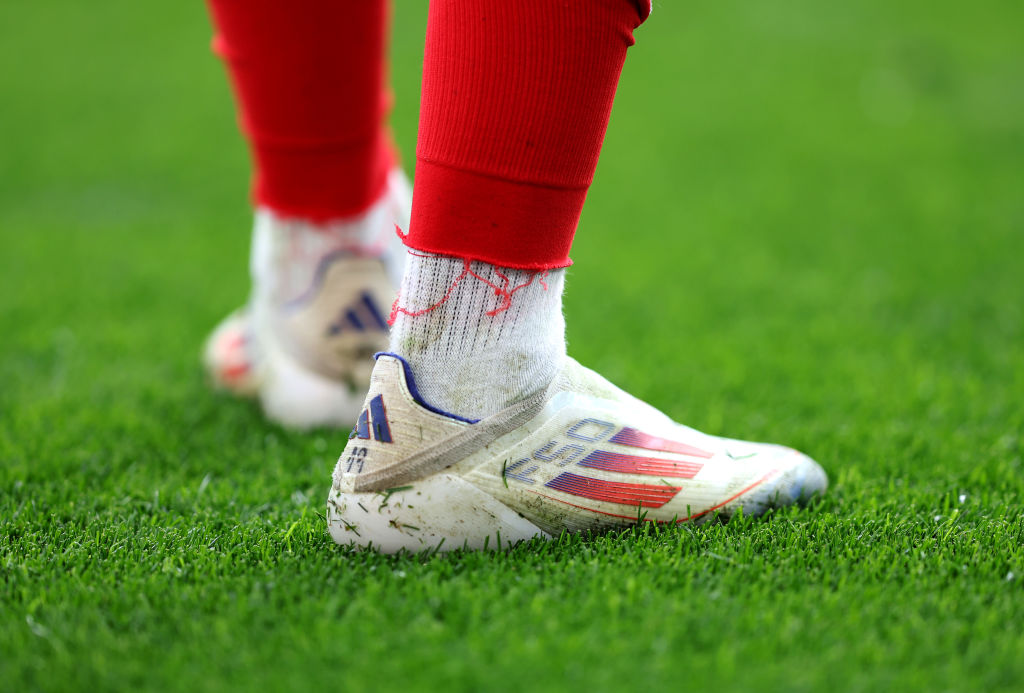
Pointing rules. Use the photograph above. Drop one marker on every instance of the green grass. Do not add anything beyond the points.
(807, 226)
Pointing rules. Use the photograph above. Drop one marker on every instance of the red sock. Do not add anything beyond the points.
(309, 76)
(516, 99)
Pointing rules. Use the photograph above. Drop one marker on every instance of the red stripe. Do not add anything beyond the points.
(678, 520)
(638, 439)
(652, 466)
(235, 371)
(644, 495)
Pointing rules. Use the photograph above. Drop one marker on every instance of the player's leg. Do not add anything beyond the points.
(309, 78)
(478, 425)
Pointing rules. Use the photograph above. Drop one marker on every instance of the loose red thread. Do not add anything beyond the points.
(541, 279)
(503, 292)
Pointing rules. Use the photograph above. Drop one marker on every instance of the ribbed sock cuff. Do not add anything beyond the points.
(321, 182)
(499, 221)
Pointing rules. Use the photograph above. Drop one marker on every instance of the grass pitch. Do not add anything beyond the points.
(806, 227)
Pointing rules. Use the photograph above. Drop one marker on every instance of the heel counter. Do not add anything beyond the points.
(391, 428)
(340, 321)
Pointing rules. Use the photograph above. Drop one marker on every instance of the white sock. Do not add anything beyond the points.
(286, 252)
(321, 292)
(478, 337)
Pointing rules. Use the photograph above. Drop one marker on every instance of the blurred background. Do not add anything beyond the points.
(826, 193)
(807, 226)
(796, 166)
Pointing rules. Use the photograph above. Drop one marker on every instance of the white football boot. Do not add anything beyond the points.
(580, 455)
(317, 313)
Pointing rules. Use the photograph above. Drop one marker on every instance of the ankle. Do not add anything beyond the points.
(478, 337)
(287, 251)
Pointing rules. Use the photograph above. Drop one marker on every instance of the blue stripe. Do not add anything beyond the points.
(381, 429)
(362, 426)
(353, 319)
(376, 314)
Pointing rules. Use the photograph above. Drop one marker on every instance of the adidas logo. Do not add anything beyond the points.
(375, 419)
(362, 315)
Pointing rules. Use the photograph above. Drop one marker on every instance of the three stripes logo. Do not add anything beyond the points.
(373, 421)
(362, 315)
